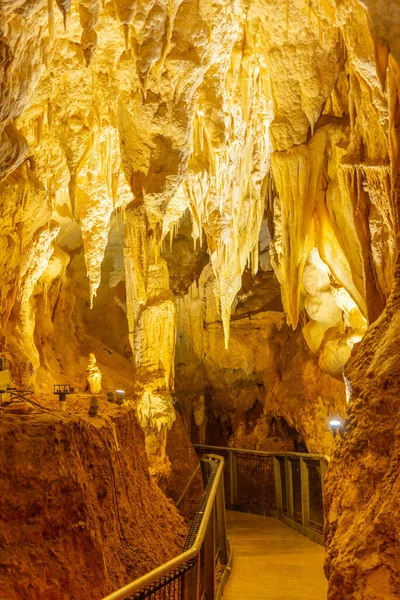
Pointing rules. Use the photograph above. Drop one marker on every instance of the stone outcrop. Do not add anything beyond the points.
(274, 128)
(80, 513)
(362, 558)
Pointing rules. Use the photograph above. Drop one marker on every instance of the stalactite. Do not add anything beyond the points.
(297, 175)
(287, 16)
(50, 11)
(65, 8)
(126, 35)
(34, 263)
(137, 241)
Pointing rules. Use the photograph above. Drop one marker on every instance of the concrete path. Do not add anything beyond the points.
(272, 562)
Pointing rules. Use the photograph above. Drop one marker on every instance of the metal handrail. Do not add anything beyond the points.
(280, 479)
(183, 557)
(284, 485)
(262, 453)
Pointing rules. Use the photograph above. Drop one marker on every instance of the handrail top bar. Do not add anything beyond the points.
(261, 453)
(183, 557)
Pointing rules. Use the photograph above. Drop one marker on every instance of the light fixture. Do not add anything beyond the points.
(110, 396)
(61, 390)
(120, 397)
(335, 424)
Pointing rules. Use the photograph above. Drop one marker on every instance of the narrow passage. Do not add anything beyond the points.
(272, 562)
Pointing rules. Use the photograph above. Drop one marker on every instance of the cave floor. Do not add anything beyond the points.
(272, 562)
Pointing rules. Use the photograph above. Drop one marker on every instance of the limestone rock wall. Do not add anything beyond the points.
(117, 118)
(80, 516)
(362, 558)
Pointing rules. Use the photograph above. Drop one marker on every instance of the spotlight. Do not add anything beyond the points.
(62, 390)
(335, 424)
(110, 396)
(120, 397)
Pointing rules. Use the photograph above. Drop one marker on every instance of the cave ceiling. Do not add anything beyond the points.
(132, 117)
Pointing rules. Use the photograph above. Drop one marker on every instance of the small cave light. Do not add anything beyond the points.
(62, 390)
(335, 424)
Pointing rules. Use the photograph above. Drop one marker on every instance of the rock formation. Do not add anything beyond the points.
(259, 141)
(93, 375)
(80, 515)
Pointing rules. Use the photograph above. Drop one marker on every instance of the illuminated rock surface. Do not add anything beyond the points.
(93, 375)
(79, 515)
(246, 136)
(362, 554)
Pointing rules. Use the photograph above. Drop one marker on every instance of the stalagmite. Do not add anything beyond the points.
(93, 375)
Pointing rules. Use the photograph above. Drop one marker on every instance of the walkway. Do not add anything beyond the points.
(272, 562)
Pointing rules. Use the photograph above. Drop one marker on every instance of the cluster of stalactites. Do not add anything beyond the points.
(228, 175)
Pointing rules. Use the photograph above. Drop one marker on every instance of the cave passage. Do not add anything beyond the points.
(272, 562)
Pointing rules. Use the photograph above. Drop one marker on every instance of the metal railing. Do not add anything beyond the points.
(284, 485)
(199, 572)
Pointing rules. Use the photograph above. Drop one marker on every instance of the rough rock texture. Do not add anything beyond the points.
(267, 375)
(79, 517)
(117, 118)
(363, 556)
(184, 463)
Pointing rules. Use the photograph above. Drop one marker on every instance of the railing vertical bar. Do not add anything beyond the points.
(233, 477)
(209, 557)
(221, 523)
(305, 493)
(190, 582)
(289, 489)
(278, 486)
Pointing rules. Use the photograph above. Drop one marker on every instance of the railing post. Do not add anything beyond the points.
(191, 581)
(233, 477)
(278, 486)
(289, 488)
(221, 522)
(209, 558)
(305, 493)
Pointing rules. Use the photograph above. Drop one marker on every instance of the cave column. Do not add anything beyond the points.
(152, 332)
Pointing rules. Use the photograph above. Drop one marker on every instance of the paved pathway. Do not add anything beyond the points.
(272, 562)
